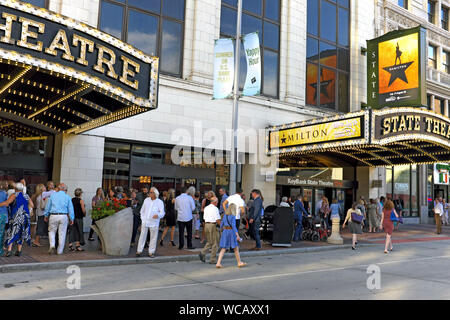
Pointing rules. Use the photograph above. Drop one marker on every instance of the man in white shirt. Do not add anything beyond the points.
(185, 205)
(212, 218)
(438, 212)
(237, 200)
(284, 203)
(151, 212)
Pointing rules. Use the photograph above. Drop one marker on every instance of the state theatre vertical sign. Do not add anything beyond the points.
(396, 66)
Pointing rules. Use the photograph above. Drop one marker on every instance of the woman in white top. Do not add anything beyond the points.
(39, 204)
(152, 212)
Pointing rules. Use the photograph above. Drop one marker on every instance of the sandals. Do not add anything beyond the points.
(243, 264)
(36, 245)
(219, 266)
(71, 247)
(79, 248)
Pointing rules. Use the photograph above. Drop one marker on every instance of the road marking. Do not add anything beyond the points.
(244, 279)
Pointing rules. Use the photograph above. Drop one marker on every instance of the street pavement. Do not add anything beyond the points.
(414, 270)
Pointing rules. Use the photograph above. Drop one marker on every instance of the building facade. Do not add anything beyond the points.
(314, 65)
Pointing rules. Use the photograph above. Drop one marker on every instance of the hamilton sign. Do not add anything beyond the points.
(396, 69)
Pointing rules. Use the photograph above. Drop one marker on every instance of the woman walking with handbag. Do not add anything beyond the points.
(354, 218)
(387, 223)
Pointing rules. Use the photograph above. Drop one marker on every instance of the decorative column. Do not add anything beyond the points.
(335, 237)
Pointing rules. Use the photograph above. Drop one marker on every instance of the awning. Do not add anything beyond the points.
(60, 75)
(388, 137)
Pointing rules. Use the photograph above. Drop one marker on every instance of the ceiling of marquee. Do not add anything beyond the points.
(53, 103)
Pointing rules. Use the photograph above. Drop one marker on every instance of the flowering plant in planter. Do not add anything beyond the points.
(107, 208)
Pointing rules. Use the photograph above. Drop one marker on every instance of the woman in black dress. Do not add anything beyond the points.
(171, 219)
(76, 235)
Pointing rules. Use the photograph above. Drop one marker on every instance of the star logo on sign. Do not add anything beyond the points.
(398, 72)
(323, 87)
(283, 140)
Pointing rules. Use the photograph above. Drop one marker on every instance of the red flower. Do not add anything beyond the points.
(107, 204)
(98, 209)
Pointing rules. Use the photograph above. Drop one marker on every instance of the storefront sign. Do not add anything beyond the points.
(401, 122)
(252, 85)
(441, 172)
(293, 181)
(72, 44)
(396, 69)
(325, 132)
(223, 68)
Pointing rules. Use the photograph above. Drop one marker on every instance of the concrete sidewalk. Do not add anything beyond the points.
(38, 258)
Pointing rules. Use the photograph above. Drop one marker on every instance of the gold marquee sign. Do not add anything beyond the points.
(397, 136)
(60, 75)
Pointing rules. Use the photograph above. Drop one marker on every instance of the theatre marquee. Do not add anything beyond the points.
(60, 75)
(396, 136)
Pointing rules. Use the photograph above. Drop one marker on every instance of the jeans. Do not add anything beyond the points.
(256, 225)
(3, 219)
(298, 230)
(136, 224)
(181, 226)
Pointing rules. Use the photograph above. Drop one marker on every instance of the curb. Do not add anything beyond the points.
(44, 266)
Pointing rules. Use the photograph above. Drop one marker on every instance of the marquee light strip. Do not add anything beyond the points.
(77, 25)
(68, 96)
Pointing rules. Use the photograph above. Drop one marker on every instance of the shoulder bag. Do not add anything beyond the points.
(393, 216)
(356, 218)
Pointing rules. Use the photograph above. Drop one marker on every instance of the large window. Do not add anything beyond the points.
(403, 4)
(431, 10)
(154, 26)
(328, 57)
(446, 61)
(38, 3)
(262, 16)
(444, 18)
(134, 165)
(402, 183)
(432, 56)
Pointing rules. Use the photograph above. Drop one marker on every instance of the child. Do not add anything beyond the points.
(230, 236)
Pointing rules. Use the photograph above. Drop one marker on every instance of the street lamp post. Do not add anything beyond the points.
(235, 115)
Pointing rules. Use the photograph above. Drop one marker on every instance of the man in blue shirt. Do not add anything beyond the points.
(184, 205)
(60, 209)
(299, 211)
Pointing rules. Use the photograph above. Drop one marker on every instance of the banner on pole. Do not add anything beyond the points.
(252, 85)
(223, 69)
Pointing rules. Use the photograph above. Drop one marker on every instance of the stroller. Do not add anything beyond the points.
(314, 229)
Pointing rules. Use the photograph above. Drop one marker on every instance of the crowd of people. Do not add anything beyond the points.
(220, 221)
(373, 216)
(51, 213)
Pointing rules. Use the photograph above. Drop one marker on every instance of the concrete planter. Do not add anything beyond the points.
(115, 232)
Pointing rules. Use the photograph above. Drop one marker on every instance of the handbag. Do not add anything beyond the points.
(393, 216)
(356, 218)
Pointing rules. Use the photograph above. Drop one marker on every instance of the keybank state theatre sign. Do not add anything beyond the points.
(94, 78)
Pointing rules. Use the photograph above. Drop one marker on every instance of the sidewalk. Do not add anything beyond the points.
(31, 255)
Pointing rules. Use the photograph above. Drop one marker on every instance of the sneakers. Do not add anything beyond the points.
(202, 257)
(52, 251)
